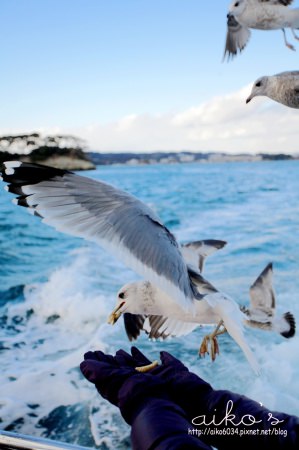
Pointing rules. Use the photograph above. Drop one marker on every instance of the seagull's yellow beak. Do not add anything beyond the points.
(115, 315)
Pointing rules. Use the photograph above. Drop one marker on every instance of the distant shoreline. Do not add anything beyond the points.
(69, 153)
(70, 159)
(133, 159)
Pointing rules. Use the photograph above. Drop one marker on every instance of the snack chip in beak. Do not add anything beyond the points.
(115, 315)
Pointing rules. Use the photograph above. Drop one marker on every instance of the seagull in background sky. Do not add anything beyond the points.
(282, 87)
(259, 15)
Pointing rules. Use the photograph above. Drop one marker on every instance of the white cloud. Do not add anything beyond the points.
(222, 124)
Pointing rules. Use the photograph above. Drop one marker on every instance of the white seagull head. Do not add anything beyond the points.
(127, 300)
(237, 7)
(259, 88)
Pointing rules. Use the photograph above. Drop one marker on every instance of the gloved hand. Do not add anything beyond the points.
(167, 371)
(184, 387)
(105, 372)
(117, 380)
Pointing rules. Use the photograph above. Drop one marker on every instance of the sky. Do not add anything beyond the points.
(140, 75)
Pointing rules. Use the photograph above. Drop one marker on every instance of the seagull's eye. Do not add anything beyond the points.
(258, 84)
(121, 295)
(237, 4)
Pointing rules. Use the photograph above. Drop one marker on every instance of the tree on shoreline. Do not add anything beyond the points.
(25, 143)
(39, 148)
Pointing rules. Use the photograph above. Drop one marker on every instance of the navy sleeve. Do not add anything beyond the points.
(246, 422)
(162, 425)
(227, 419)
(157, 422)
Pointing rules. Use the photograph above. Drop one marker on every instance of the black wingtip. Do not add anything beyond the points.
(18, 174)
(267, 268)
(21, 173)
(292, 323)
(217, 243)
(133, 325)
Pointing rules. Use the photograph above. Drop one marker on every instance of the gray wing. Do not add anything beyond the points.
(237, 37)
(261, 293)
(289, 73)
(196, 252)
(202, 285)
(293, 95)
(290, 80)
(133, 324)
(156, 327)
(276, 2)
(116, 220)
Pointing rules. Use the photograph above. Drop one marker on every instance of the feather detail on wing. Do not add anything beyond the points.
(286, 326)
(276, 2)
(262, 311)
(133, 325)
(99, 212)
(202, 285)
(196, 252)
(237, 37)
(288, 74)
(156, 327)
(261, 292)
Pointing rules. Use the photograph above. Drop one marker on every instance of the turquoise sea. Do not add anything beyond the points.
(56, 293)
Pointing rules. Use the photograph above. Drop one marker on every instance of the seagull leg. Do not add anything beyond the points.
(290, 46)
(212, 340)
(294, 34)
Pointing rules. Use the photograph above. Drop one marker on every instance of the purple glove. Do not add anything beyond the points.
(117, 380)
(169, 369)
(182, 386)
(105, 372)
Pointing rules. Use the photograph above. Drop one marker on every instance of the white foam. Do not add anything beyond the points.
(67, 318)
(279, 383)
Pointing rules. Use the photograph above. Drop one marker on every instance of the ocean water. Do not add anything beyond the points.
(57, 291)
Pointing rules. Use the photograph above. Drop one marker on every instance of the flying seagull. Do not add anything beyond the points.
(169, 323)
(282, 87)
(262, 311)
(156, 314)
(244, 15)
(156, 327)
(116, 220)
(131, 231)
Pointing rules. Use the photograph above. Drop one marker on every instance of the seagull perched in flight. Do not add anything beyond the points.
(244, 15)
(282, 87)
(131, 231)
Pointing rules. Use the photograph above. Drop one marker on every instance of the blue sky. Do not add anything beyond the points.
(94, 67)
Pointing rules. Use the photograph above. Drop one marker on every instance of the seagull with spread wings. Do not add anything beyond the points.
(159, 320)
(244, 15)
(262, 311)
(131, 231)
